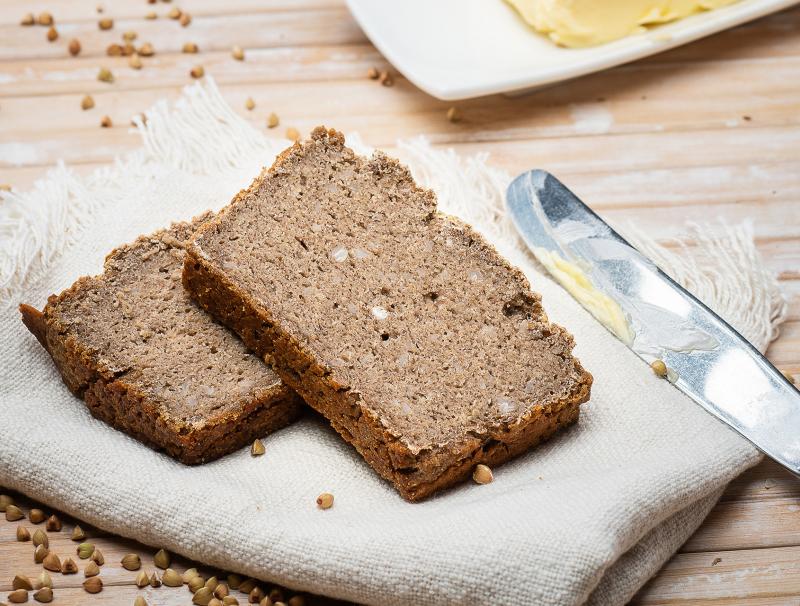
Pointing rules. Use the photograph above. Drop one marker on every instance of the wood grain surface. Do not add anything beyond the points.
(709, 129)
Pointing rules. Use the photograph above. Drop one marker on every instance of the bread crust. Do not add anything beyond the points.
(415, 474)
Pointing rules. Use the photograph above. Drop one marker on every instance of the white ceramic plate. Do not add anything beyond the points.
(456, 49)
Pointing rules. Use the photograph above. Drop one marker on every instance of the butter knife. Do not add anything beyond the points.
(700, 353)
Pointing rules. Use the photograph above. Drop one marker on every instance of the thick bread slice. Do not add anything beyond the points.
(148, 361)
(423, 347)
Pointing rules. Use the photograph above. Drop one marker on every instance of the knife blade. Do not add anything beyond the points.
(658, 319)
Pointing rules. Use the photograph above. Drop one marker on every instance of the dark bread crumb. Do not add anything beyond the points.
(422, 346)
(148, 361)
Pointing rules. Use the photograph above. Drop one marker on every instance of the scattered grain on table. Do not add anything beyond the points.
(13, 513)
(53, 524)
(202, 596)
(105, 75)
(385, 78)
(44, 580)
(40, 538)
(142, 579)
(69, 566)
(93, 585)
(20, 581)
(171, 578)
(97, 557)
(85, 550)
(256, 595)
(131, 561)
(91, 570)
(221, 591)
(195, 583)
(18, 596)
(44, 595)
(51, 562)
(162, 559)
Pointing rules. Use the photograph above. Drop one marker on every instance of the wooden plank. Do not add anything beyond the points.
(12, 11)
(53, 70)
(772, 36)
(389, 113)
(283, 64)
(783, 352)
(790, 284)
(746, 144)
(746, 577)
(743, 144)
(749, 524)
(248, 30)
(766, 96)
(765, 481)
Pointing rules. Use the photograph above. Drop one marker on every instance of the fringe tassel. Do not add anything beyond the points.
(721, 266)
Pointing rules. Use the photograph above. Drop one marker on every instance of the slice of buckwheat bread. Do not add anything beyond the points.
(421, 345)
(148, 361)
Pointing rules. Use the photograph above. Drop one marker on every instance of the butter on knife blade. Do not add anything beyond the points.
(657, 318)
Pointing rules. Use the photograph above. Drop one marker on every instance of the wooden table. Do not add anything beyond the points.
(708, 129)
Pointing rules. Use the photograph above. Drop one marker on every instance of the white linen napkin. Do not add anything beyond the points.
(586, 518)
